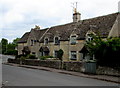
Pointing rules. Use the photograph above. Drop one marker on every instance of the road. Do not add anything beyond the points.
(0, 70)
(5, 57)
(19, 76)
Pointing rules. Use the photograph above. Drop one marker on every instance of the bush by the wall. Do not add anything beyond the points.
(106, 52)
(11, 52)
(45, 57)
(30, 56)
(60, 54)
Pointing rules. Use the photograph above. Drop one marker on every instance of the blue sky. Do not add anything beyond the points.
(19, 16)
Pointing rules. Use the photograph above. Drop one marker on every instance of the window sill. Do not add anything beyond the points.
(73, 58)
(73, 43)
(56, 44)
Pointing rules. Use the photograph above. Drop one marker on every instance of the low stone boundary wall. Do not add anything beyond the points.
(108, 71)
(73, 66)
(31, 62)
(68, 65)
(51, 63)
(16, 61)
(45, 63)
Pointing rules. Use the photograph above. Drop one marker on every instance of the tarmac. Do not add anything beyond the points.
(93, 76)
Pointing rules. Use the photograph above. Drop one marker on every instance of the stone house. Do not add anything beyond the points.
(69, 37)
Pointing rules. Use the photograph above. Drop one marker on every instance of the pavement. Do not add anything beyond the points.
(99, 77)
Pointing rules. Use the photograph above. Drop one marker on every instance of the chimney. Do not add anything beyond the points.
(36, 27)
(76, 17)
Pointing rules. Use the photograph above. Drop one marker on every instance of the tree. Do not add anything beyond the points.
(0, 48)
(106, 52)
(11, 49)
(8, 48)
(4, 43)
(60, 54)
(15, 41)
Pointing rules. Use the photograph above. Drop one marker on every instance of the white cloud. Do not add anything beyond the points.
(12, 17)
(21, 15)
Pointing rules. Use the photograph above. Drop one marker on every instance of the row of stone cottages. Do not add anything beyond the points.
(69, 37)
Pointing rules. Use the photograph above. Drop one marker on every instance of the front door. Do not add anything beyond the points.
(46, 53)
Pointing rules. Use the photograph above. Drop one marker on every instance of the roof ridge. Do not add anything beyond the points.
(101, 16)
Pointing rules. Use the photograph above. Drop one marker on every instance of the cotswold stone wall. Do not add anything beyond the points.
(68, 65)
(108, 71)
(73, 66)
(45, 63)
(13, 61)
(51, 63)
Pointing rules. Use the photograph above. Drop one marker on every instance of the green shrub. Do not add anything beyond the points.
(49, 56)
(30, 56)
(106, 52)
(18, 56)
(11, 52)
(45, 57)
(22, 58)
(42, 58)
(60, 54)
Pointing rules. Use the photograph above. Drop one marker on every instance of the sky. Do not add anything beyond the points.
(19, 16)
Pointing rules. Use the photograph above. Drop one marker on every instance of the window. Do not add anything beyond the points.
(89, 38)
(46, 41)
(73, 55)
(46, 53)
(32, 42)
(73, 40)
(56, 40)
(56, 54)
(33, 53)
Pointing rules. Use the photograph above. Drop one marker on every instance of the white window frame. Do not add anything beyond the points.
(58, 40)
(71, 57)
(55, 53)
(45, 41)
(75, 40)
(32, 42)
(88, 37)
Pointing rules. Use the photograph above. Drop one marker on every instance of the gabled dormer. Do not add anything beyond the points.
(46, 41)
(56, 40)
(89, 35)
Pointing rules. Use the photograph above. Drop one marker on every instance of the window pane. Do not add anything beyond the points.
(73, 55)
(57, 40)
(56, 54)
(73, 39)
(46, 53)
(46, 41)
(32, 42)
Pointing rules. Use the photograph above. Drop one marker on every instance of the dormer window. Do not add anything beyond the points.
(46, 41)
(90, 38)
(73, 40)
(89, 35)
(32, 42)
(56, 41)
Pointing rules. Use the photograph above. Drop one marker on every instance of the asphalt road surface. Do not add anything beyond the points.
(5, 58)
(19, 76)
